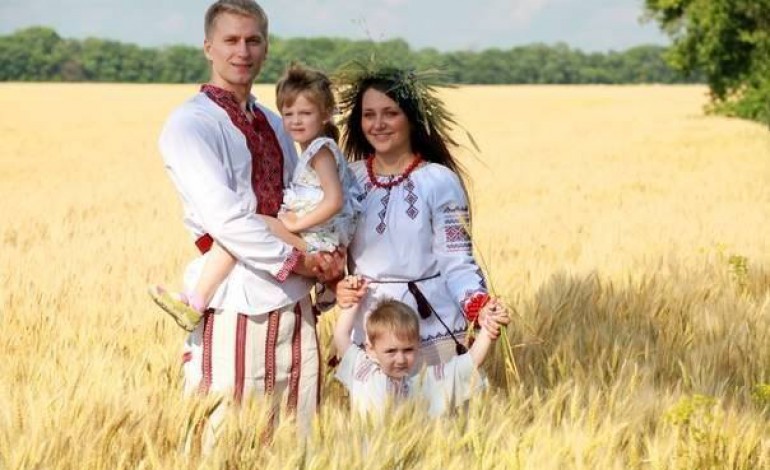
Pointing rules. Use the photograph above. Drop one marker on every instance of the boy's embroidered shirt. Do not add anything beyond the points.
(441, 387)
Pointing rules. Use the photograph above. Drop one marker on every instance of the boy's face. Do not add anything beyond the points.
(395, 355)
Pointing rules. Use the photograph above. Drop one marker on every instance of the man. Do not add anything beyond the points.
(229, 159)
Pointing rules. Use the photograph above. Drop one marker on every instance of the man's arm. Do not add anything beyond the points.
(279, 230)
(187, 144)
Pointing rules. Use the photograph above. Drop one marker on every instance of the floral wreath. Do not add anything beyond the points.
(408, 85)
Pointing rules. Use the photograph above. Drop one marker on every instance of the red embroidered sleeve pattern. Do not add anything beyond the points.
(456, 225)
(289, 265)
(473, 304)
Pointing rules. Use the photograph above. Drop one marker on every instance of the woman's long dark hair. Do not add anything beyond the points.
(423, 137)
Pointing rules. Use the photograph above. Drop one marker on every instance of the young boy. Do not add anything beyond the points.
(387, 369)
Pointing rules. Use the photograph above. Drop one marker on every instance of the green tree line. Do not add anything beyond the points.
(40, 54)
(728, 41)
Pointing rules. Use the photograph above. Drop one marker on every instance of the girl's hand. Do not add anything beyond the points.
(289, 220)
(350, 291)
(492, 316)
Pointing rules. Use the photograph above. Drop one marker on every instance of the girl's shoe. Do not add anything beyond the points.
(176, 306)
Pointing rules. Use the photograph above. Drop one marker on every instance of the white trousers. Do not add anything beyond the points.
(273, 355)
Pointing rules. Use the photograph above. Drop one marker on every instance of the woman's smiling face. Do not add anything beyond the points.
(384, 124)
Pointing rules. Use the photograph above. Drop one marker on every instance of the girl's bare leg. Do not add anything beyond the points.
(187, 308)
(219, 263)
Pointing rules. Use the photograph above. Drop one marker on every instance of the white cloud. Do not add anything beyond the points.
(617, 27)
(174, 23)
(394, 3)
(502, 14)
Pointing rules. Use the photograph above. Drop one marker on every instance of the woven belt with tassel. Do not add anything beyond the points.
(424, 308)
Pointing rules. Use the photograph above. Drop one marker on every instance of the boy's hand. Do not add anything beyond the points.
(350, 290)
(492, 316)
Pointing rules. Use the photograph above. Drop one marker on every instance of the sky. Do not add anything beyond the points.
(446, 25)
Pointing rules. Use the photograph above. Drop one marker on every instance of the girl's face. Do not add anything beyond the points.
(384, 124)
(303, 120)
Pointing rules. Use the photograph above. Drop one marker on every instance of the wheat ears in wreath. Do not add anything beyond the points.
(409, 85)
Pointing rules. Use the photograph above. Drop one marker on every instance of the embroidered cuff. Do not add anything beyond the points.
(289, 264)
(473, 305)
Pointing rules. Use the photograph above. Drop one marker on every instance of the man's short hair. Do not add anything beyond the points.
(239, 7)
(392, 316)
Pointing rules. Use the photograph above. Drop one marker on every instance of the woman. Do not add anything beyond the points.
(412, 241)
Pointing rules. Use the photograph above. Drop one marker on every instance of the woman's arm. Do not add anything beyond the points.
(452, 246)
(325, 166)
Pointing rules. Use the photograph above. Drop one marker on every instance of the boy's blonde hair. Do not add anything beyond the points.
(239, 7)
(392, 316)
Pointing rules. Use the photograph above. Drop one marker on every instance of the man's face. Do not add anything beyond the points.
(237, 48)
(395, 355)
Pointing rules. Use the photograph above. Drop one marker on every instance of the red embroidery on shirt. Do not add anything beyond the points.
(363, 370)
(438, 371)
(266, 154)
(294, 257)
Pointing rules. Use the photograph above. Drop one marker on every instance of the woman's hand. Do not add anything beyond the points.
(350, 291)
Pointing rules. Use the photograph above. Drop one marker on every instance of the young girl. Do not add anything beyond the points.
(320, 204)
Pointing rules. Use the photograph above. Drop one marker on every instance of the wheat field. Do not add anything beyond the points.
(627, 230)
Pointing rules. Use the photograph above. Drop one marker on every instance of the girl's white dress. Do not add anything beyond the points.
(416, 231)
(304, 193)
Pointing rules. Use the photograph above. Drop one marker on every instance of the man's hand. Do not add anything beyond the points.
(323, 266)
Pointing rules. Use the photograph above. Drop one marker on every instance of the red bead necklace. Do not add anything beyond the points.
(395, 181)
